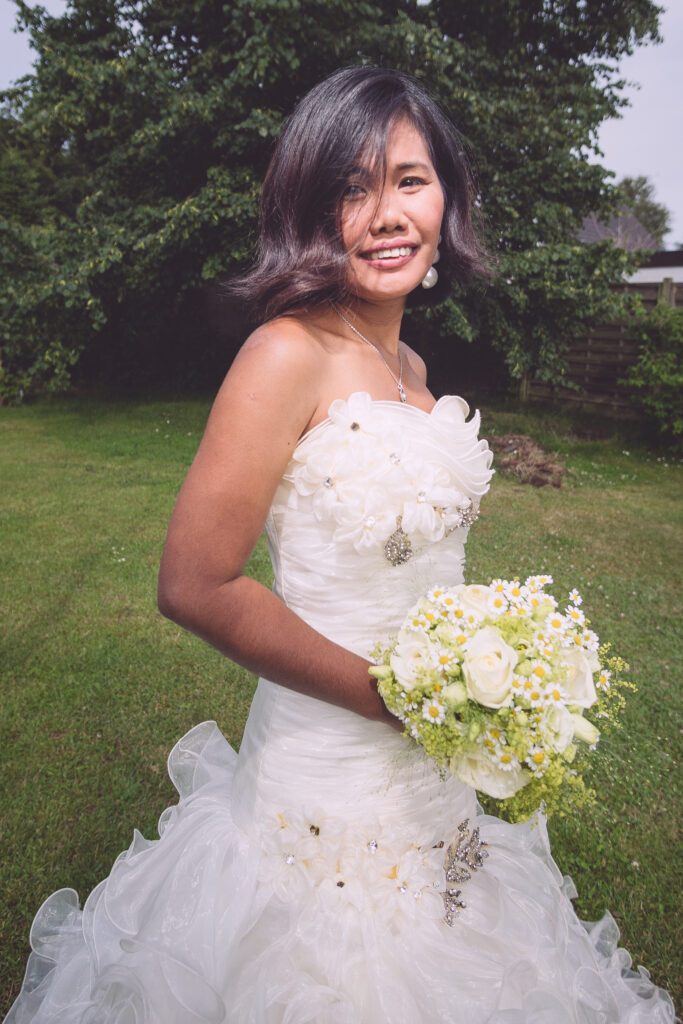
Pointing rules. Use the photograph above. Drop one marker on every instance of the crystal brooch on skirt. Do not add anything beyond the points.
(463, 856)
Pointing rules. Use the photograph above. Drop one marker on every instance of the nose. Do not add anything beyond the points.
(389, 215)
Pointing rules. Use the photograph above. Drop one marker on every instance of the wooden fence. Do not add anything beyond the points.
(597, 361)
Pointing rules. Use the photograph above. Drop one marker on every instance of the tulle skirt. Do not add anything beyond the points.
(316, 919)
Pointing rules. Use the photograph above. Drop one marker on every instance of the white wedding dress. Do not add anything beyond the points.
(302, 880)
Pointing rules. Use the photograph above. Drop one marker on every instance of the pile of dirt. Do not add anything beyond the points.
(526, 460)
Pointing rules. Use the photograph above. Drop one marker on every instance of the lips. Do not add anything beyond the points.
(389, 252)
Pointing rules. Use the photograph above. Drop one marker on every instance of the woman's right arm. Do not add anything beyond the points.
(261, 410)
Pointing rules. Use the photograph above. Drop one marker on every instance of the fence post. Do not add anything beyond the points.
(524, 386)
(667, 292)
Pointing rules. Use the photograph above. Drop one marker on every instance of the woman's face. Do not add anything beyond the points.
(407, 215)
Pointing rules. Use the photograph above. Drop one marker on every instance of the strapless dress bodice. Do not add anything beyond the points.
(374, 507)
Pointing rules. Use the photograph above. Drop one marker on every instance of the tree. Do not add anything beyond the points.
(154, 123)
(26, 183)
(637, 194)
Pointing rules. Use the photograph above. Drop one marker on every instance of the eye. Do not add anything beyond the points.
(415, 181)
(353, 192)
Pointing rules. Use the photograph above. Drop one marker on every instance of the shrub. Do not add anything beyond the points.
(655, 380)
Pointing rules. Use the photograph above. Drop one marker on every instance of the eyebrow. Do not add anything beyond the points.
(408, 165)
(412, 165)
(361, 172)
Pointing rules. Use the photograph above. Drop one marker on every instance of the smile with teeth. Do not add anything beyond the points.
(388, 254)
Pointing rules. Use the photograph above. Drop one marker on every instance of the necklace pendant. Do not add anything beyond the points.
(402, 394)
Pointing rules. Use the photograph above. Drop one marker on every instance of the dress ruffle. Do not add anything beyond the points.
(190, 928)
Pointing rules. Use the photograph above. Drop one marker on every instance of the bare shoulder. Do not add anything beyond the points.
(271, 390)
(283, 343)
(417, 363)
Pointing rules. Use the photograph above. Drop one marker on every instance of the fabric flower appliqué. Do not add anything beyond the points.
(309, 854)
(360, 478)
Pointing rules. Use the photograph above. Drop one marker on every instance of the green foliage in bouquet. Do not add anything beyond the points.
(493, 681)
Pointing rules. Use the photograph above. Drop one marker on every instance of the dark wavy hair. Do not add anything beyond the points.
(301, 261)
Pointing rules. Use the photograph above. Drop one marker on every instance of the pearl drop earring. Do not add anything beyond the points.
(432, 275)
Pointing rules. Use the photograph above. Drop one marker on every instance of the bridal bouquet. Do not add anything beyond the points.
(494, 681)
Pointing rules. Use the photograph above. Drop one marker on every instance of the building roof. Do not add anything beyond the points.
(624, 227)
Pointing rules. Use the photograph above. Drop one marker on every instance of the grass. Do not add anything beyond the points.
(97, 687)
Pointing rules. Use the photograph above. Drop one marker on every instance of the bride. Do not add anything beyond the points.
(304, 880)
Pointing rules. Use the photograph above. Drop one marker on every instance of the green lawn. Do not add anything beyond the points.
(97, 687)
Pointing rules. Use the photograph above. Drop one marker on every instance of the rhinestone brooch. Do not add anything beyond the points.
(398, 548)
(467, 516)
(463, 856)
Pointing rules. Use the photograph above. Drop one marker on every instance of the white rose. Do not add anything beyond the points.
(475, 599)
(410, 660)
(585, 730)
(579, 685)
(488, 668)
(558, 727)
(592, 659)
(475, 769)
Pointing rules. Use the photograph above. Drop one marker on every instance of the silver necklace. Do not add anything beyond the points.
(398, 381)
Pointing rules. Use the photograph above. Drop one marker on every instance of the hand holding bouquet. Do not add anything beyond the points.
(494, 682)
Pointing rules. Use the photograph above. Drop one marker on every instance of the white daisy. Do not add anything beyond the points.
(505, 759)
(520, 611)
(495, 736)
(432, 617)
(556, 623)
(590, 640)
(537, 759)
(518, 684)
(434, 711)
(452, 605)
(516, 591)
(536, 696)
(575, 596)
(541, 671)
(572, 639)
(575, 615)
(459, 638)
(445, 658)
(554, 694)
(497, 603)
(603, 680)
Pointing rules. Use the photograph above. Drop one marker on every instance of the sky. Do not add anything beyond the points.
(645, 140)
